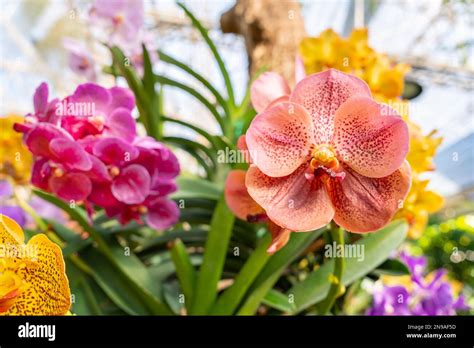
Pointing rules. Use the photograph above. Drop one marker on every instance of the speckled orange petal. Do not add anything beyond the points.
(48, 288)
(367, 204)
(266, 88)
(282, 99)
(241, 144)
(280, 139)
(292, 202)
(300, 72)
(242, 147)
(280, 236)
(322, 94)
(10, 232)
(369, 137)
(238, 198)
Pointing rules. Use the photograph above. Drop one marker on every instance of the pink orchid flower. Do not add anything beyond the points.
(123, 18)
(80, 60)
(123, 21)
(327, 151)
(245, 208)
(44, 110)
(139, 184)
(89, 152)
(98, 110)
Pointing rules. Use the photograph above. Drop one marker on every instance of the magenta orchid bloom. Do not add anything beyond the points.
(138, 185)
(88, 151)
(103, 111)
(326, 151)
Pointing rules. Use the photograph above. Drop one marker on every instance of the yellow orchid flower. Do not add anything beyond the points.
(419, 203)
(354, 55)
(384, 78)
(15, 159)
(422, 148)
(32, 275)
(361, 55)
(322, 52)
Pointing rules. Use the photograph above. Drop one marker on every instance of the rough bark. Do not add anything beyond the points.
(272, 31)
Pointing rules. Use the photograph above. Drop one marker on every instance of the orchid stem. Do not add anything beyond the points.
(336, 289)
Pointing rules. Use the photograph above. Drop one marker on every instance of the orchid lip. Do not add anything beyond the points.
(118, 19)
(257, 218)
(58, 172)
(114, 171)
(140, 209)
(323, 163)
(324, 155)
(98, 121)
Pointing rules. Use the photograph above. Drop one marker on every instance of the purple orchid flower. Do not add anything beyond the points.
(12, 211)
(427, 296)
(392, 301)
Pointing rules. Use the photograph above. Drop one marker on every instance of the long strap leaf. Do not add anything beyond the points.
(214, 258)
(184, 270)
(153, 304)
(212, 47)
(230, 299)
(376, 247)
(274, 268)
(197, 129)
(168, 59)
(170, 82)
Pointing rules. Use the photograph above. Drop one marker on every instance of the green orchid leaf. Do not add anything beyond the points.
(392, 267)
(274, 268)
(85, 297)
(168, 59)
(202, 99)
(376, 247)
(184, 269)
(196, 129)
(230, 299)
(212, 47)
(196, 188)
(214, 258)
(278, 300)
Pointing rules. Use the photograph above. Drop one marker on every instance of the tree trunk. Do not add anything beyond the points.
(272, 31)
